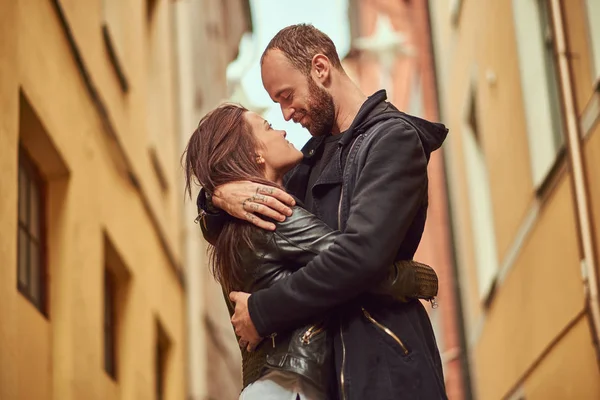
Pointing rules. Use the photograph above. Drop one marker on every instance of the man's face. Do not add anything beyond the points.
(300, 97)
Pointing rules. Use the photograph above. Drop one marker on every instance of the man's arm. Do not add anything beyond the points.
(243, 200)
(388, 194)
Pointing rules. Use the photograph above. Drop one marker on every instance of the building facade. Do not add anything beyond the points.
(95, 260)
(518, 83)
(391, 49)
(208, 35)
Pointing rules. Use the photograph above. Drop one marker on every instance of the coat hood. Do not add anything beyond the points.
(377, 109)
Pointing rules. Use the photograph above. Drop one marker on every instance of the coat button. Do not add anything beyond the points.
(310, 153)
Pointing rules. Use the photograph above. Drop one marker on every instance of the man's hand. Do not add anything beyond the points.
(242, 323)
(245, 199)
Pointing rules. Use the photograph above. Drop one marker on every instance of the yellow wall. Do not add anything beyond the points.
(532, 334)
(90, 201)
(9, 101)
(539, 297)
(569, 372)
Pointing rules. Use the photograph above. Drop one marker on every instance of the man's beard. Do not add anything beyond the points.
(321, 110)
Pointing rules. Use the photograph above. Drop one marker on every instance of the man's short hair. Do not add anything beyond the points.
(300, 43)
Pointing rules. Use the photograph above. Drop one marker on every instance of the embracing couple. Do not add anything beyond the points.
(314, 248)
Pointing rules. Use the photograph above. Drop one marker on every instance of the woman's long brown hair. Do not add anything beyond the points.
(221, 150)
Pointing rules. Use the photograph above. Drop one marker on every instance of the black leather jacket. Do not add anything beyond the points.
(308, 350)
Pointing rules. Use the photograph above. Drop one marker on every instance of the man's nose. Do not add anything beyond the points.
(287, 113)
(284, 134)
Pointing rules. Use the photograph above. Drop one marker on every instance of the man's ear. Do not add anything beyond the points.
(321, 68)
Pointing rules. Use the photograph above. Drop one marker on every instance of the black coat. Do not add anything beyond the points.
(306, 350)
(374, 190)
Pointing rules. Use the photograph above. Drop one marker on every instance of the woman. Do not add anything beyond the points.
(233, 144)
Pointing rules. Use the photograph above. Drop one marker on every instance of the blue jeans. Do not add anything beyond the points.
(281, 385)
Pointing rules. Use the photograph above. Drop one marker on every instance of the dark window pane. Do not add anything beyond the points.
(106, 305)
(110, 362)
(30, 268)
(34, 210)
(23, 264)
(161, 349)
(159, 372)
(35, 283)
(23, 184)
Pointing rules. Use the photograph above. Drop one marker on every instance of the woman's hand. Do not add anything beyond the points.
(246, 200)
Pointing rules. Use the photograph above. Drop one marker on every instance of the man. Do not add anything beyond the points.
(364, 173)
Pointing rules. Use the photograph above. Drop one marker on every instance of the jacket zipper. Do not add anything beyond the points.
(342, 193)
(343, 363)
(340, 227)
(340, 207)
(311, 332)
(385, 329)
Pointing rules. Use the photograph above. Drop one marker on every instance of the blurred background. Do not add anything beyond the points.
(105, 291)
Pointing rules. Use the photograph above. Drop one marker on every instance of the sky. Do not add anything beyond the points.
(268, 17)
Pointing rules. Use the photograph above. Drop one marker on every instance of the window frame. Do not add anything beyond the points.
(481, 210)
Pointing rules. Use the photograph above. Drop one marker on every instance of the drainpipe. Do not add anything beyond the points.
(579, 178)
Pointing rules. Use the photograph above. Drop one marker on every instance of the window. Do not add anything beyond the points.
(539, 85)
(160, 362)
(116, 303)
(30, 242)
(593, 22)
(110, 324)
(480, 202)
(113, 36)
(455, 9)
(159, 83)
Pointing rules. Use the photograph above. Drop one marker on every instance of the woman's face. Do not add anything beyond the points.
(274, 151)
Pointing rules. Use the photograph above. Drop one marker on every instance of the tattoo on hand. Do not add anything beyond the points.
(259, 197)
(250, 217)
(265, 190)
(245, 201)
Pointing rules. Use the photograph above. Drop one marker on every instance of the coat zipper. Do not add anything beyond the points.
(340, 227)
(385, 329)
(342, 193)
(343, 363)
(311, 332)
